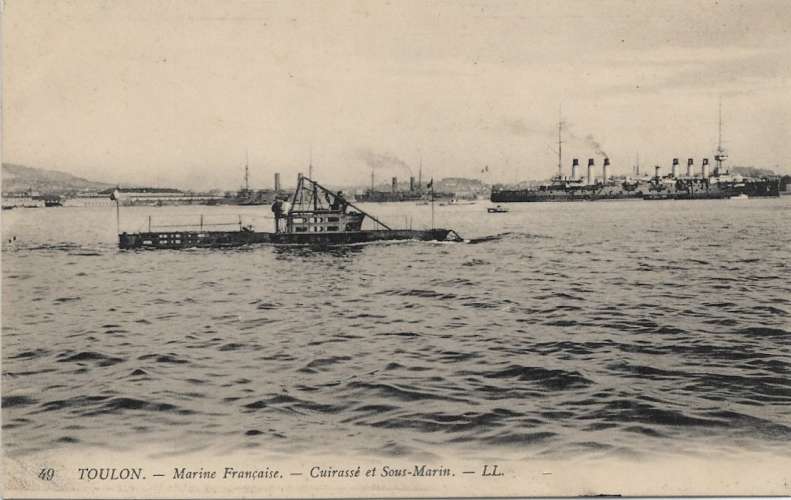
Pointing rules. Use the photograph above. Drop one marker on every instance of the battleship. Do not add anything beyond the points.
(719, 184)
(416, 192)
(247, 196)
(675, 185)
(315, 217)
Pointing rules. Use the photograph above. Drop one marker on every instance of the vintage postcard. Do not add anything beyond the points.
(354, 249)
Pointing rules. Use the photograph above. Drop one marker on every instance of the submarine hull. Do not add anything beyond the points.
(176, 240)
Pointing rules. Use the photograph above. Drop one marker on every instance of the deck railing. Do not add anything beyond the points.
(217, 222)
(236, 222)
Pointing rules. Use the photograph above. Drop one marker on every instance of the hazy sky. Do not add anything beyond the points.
(173, 93)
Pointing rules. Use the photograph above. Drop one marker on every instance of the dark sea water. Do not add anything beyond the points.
(563, 329)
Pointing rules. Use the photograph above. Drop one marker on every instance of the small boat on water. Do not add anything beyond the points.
(454, 202)
(315, 217)
(740, 197)
(497, 210)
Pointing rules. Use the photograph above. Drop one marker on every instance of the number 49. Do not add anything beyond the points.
(46, 474)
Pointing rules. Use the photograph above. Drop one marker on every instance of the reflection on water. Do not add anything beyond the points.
(558, 329)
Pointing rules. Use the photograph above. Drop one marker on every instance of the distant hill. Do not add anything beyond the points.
(752, 171)
(459, 184)
(17, 178)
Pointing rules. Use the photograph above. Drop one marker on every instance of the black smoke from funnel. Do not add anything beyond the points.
(378, 161)
(589, 140)
(593, 143)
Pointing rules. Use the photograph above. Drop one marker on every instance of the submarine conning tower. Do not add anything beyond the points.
(575, 163)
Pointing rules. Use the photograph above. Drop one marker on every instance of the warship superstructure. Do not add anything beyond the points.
(248, 196)
(416, 192)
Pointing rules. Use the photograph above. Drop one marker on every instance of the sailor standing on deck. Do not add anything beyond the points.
(285, 206)
(277, 209)
(338, 202)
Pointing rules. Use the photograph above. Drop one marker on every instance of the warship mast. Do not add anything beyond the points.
(246, 171)
(720, 156)
(420, 171)
(560, 143)
(310, 163)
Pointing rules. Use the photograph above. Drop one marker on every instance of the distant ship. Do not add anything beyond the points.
(719, 185)
(416, 192)
(673, 186)
(53, 201)
(246, 196)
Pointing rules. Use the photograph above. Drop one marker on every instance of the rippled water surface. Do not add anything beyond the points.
(561, 329)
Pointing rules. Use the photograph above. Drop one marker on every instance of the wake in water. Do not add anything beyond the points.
(505, 236)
